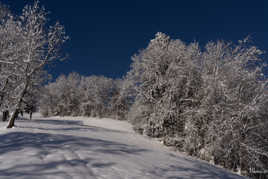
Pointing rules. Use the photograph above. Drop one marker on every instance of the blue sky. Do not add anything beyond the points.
(105, 34)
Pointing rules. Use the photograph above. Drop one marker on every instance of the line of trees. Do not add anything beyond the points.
(211, 103)
(76, 95)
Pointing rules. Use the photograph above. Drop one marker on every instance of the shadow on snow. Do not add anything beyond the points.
(47, 144)
(56, 125)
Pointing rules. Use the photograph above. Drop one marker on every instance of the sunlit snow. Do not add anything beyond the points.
(91, 148)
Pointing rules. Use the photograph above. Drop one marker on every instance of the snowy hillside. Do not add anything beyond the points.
(91, 148)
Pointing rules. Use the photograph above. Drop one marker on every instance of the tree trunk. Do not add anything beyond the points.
(18, 106)
(31, 115)
(5, 115)
(12, 119)
(2, 94)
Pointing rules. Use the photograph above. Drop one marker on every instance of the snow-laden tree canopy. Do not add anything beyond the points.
(211, 102)
(28, 43)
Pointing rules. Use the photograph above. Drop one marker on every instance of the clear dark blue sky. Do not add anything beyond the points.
(106, 33)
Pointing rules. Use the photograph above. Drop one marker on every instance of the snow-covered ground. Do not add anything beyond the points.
(91, 148)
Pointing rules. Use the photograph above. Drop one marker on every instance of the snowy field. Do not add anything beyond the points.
(85, 148)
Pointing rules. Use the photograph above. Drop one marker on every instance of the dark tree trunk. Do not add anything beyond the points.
(31, 115)
(5, 115)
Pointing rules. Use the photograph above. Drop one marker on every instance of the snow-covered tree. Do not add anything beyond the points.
(29, 44)
(210, 103)
(97, 92)
(61, 97)
(121, 100)
(78, 95)
(10, 46)
(233, 105)
(167, 81)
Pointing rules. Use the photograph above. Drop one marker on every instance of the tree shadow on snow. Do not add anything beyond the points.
(66, 125)
(59, 122)
(16, 141)
(48, 144)
(45, 145)
(49, 169)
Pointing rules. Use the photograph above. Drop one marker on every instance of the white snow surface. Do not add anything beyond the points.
(90, 148)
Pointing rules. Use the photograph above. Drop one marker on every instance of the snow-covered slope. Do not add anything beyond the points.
(91, 148)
